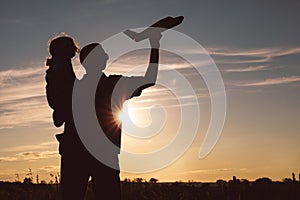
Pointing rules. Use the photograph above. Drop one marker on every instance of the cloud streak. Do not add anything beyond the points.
(272, 81)
(22, 97)
(29, 156)
(247, 69)
(259, 52)
(213, 171)
(228, 55)
(23, 148)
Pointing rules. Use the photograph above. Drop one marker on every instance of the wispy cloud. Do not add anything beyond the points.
(257, 59)
(136, 62)
(170, 97)
(259, 52)
(48, 169)
(213, 171)
(23, 148)
(247, 69)
(229, 55)
(22, 97)
(13, 77)
(272, 81)
(29, 156)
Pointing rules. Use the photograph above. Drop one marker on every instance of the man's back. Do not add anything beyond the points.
(112, 92)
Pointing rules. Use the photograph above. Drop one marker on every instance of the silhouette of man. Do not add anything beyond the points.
(111, 93)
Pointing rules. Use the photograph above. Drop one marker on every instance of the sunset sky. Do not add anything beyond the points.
(254, 44)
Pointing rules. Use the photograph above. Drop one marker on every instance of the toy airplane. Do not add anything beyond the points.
(164, 24)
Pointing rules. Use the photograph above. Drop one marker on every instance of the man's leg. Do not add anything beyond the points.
(74, 178)
(106, 182)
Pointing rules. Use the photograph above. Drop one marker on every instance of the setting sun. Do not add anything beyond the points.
(121, 115)
(126, 115)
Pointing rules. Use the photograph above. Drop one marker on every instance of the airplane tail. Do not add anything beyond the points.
(133, 35)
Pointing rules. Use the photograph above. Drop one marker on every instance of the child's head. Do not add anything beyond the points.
(63, 47)
(93, 57)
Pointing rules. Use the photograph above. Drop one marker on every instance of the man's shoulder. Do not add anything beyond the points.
(113, 76)
(125, 81)
(111, 79)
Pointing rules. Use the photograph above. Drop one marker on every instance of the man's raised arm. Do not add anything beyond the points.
(151, 73)
(135, 85)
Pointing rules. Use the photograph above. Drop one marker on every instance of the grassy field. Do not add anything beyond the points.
(164, 191)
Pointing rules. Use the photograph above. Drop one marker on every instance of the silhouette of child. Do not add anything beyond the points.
(60, 77)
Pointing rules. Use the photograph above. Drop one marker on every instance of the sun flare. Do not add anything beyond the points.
(121, 116)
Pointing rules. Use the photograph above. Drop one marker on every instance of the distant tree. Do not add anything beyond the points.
(287, 180)
(43, 182)
(263, 180)
(37, 179)
(27, 180)
(127, 180)
(138, 180)
(221, 182)
(153, 180)
(245, 181)
(234, 179)
(29, 177)
(293, 176)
